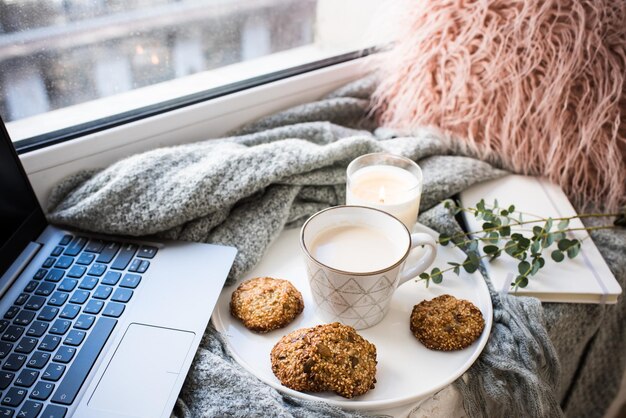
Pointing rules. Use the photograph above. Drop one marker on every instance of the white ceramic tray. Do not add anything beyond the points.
(407, 371)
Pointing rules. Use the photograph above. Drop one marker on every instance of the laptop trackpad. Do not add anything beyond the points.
(142, 372)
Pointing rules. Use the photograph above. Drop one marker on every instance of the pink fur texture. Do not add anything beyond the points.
(536, 84)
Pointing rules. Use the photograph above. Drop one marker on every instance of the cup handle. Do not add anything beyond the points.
(426, 260)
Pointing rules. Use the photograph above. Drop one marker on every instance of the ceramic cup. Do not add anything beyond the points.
(360, 298)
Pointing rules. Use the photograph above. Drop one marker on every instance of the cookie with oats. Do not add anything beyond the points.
(341, 360)
(264, 304)
(446, 323)
(291, 364)
(331, 357)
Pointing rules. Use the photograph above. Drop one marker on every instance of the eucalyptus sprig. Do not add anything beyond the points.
(526, 243)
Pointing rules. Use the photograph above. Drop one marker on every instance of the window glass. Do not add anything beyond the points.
(72, 61)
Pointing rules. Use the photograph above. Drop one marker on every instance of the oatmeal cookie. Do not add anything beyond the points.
(342, 360)
(446, 323)
(265, 304)
(291, 362)
(330, 357)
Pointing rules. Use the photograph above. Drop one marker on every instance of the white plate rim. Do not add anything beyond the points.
(379, 404)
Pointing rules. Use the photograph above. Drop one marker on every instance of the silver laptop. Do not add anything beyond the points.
(95, 326)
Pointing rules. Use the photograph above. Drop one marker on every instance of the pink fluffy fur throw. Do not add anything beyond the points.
(538, 85)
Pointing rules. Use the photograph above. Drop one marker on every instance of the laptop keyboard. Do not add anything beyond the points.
(53, 333)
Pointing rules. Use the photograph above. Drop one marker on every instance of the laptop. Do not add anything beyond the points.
(95, 326)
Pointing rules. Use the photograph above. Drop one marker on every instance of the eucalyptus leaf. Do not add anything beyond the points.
(564, 244)
(557, 256)
(523, 268)
(563, 224)
(573, 251)
(521, 281)
(490, 249)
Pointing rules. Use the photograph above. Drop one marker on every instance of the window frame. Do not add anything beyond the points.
(205, 119)
(98, 125)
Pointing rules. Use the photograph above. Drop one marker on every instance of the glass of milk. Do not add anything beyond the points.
(387, 182)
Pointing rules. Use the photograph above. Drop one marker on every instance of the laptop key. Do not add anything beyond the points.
(14, 396)
(11, 312)
(49, 262)
(58, 250)
(34, 303)
(64, 354)
(24, 318)
(4, 324)
(58, 298)
(6, 412)
(85, 259)
(42, 391)
(111, 278)
(13, 333)
(86, 321)
(64, 262)
(77, 271)
(5, 379)
(54, 411)
(70, 311)
(27, 378)
(113, 309)
(108, 252)
(14, 362)
(127, 252)
(76, 246)
(60, 326)
(80, 296)
(134, 266)
(67, 285)
(54, 275)
(103, 292)
(66, 239)
(41, 273)
(49, 343)
(39, 359)
(75, 337)
(94, 246)
(147, 251)
(26, 345)
(48, 313)
(45, 289)
(143, 266)
(5, 349)
(93, 306)
(21, 299)
(122, 295)
(130, 280)
(31, 286)
(88, 283)
(84, 361)
(97, 270)
(37, 329)
(30, 409)
(53, 372)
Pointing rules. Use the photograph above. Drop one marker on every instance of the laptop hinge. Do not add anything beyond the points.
(18, 266)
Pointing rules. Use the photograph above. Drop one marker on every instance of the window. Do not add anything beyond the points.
(68, 66)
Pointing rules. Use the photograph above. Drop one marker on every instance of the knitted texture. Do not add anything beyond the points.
(244, 189)
(536, 85)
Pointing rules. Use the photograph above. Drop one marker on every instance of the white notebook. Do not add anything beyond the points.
(583, 279)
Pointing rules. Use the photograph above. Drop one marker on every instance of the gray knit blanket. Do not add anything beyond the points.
(543, 361)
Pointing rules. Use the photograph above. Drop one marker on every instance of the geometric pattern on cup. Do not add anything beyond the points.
(354, 302)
